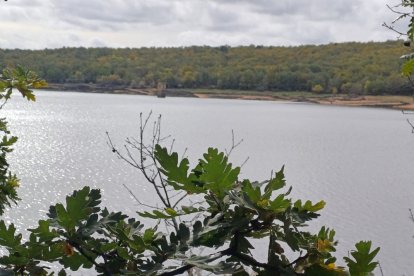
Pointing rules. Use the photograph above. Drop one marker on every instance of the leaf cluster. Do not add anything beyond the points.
(403, 10)
(215, 234)
(232, 215)
(22, 80)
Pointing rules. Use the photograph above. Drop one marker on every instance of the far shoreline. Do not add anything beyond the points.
(398, 102)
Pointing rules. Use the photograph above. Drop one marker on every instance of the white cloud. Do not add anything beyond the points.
(123, 23)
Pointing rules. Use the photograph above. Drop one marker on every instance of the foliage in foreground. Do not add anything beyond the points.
(404, 12)
(21, 80)
(211, 219)
(233, 213)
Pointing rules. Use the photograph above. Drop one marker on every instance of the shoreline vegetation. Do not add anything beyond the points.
(399, 102)
(350, 74)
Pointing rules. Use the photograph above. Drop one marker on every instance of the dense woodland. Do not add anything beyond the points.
(353, 68)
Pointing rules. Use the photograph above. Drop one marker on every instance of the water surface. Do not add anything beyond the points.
(359, 160)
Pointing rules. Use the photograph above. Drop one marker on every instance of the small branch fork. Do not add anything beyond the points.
(405, 9)
(408, 120)
(233, 146)
(401, 14)
(411, 124)
(137, 199)
(141, 156)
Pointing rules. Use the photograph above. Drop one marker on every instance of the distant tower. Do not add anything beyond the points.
(161, 87)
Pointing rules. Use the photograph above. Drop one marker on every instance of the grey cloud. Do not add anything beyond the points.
(23, 10)
(121, 14)
(315, 9)
(223, 19)
(291, 22)
(23, 3)
(134, 23)
(113, 15)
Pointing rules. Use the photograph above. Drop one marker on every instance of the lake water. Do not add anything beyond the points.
(359, 160)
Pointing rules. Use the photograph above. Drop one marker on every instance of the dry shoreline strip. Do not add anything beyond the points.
(380, 101)
(394, 102)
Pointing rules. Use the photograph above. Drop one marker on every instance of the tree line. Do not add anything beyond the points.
(355, 68)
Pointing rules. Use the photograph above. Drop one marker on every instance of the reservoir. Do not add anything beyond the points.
(359, 160)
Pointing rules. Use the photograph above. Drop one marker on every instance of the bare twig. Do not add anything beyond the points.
(244, 162)
(184, 153)
(380, 268)
(394, 9)
(233, 144)
(137, 200)
(411, 83)
(393, 29)
(172, 145)
(179, 200)
(411, 124)
(141, 156)
(300, 258)
(4, 102)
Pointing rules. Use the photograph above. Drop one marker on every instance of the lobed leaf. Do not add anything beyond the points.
(363, 259)
(217, 174)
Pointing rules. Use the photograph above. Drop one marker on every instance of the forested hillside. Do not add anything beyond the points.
(354, 68)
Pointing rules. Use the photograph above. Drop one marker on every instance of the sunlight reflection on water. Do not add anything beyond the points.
(359, 160)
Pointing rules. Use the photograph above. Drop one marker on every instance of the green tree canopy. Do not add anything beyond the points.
(249, 68)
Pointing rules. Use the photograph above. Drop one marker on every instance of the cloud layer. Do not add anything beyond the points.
(37, 24)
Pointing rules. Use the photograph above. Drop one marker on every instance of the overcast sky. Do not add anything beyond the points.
(38, 24)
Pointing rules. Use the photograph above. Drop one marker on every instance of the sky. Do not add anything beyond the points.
(39, 24)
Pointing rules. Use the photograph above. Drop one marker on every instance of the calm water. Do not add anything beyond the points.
(359, 160)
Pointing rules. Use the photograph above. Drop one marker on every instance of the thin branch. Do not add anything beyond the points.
(216, 201)
(380, 268)
(135, 163)
(146, 120)
(411, 82)
(394, 10)
(233, 251)
(2, 105)
(172, 145)
(137, 200)
(83, 253)
(300, 258)
(179, 200)
(163, 184)
(412, 126)
(178, 271)
(401, 16)
(233, 144)
(184, 153)
(131, 161)
(393, 29)
(175, 195)
(244, 162)
(251, 261)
